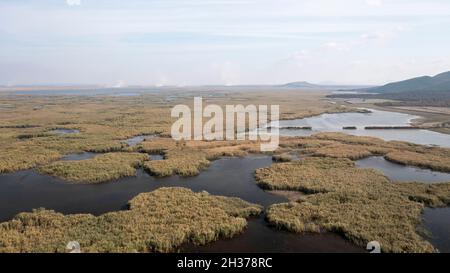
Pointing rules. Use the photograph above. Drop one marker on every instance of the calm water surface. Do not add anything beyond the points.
(138, 139)
(64, 131)
(335, 123)
(79, 156)
(437, 221)
(25, 190)
(398, 172)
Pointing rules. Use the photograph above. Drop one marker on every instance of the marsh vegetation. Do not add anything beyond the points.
(159, 221)
(101, 168)
(360, 204)
(317, 173)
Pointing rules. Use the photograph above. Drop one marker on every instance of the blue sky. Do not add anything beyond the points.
(182, 42)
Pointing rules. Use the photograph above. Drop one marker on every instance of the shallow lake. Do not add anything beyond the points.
(398, 172)
(64, 131)
(137, 140)
(437, 221)
(336, 122)
(25, 190)
(79, 156)
(261, 238)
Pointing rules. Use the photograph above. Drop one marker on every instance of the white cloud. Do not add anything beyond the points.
(376, 3)
(110, 40)
(382, 36)
(374, 36)
(338, 46)
(73, 2)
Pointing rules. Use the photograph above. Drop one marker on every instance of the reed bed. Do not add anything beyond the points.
(353, 152)
(362, 205)
(18, 156)
(99, 169)
(284, 157)
(428, 160)
(158, 221)
(183, 162)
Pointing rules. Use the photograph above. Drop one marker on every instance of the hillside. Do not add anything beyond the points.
(420, 91)
(438, 83)
(308, 85)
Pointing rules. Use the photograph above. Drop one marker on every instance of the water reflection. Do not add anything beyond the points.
(79, 156)
(437, 221)
(62, 131)
(261, 238)
(398, 172)
(156, 157)
(336, 123)
(138, 139)
(26, 190)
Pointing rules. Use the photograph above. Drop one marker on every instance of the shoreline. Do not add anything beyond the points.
(427, 120)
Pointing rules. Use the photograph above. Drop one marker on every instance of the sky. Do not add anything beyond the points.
(229, 42)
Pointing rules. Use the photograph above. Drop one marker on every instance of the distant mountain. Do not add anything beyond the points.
(308, 85)
(438, 83)
(420, 91)
(301, 85)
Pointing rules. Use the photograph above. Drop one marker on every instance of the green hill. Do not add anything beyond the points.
(438, 83)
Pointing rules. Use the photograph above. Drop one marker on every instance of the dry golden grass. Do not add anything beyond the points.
(432, 195)
(284, 157)
(353, 152)
(313, 175)
(104, 122)
(184, 162)
(99, 169)
(18, 156)
(159, 221)
(360, 204)
(349, 139)
(188, 158)
(360, 219)
(423, 160)
(340, 145)
(159, 145)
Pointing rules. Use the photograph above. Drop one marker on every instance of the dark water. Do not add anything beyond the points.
(25, 190)
(64, 131)
(261, 238)
(138, 139)
(437, 221)
(156, 157)
(398, 172)
(336, 122)
(80, 156)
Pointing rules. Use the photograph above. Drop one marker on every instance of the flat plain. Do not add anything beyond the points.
(324, 190)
